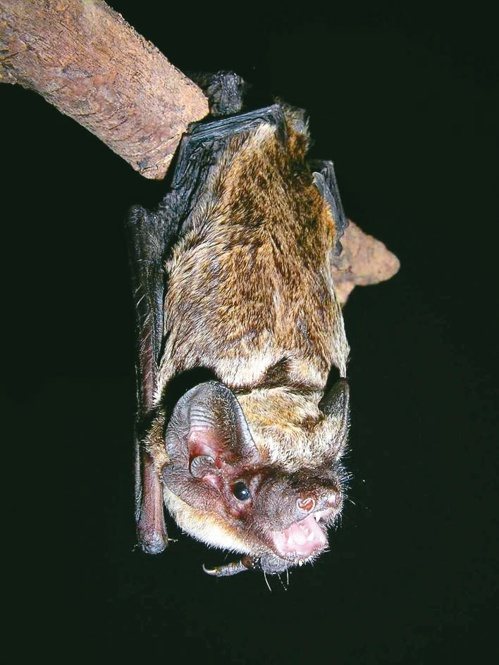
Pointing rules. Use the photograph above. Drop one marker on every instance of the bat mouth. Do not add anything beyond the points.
(302, 539)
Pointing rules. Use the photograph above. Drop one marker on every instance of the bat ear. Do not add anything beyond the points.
(208, 428)
(336, 407)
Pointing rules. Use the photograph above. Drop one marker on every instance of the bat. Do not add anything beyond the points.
(243, 401)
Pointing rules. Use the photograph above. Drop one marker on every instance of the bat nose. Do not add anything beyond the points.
(306, 504)
(328, 499)
(332, 499)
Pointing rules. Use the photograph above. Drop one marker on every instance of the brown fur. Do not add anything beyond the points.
(251, 282)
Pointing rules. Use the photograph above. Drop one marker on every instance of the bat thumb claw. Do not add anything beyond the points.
(226, 570)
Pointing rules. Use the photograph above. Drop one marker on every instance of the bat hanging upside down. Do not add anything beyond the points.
(241, 428)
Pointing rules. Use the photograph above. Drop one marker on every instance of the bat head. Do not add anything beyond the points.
(229, 487)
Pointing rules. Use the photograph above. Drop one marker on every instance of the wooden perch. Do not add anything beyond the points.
(364, 260)
(83, 58)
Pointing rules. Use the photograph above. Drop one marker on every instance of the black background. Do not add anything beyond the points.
(404, 99)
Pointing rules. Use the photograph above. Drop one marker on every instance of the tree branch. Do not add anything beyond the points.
(363, 261)
(83, 58)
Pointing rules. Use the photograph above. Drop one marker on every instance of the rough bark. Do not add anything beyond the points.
(83, 58)
(364, 260)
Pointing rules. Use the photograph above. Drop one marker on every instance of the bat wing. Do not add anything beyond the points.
(325, 179)
(148, 235)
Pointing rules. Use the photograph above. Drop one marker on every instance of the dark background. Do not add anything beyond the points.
(404, 98)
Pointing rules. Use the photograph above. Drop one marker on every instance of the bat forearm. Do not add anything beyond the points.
(151, 528)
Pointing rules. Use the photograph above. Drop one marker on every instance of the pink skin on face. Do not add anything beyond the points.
(303, 539)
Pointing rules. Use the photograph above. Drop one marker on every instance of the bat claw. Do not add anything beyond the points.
(228, 569)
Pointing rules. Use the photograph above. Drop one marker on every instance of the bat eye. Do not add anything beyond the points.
(241, 491)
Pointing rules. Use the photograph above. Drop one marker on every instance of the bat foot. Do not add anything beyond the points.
(225, 91)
